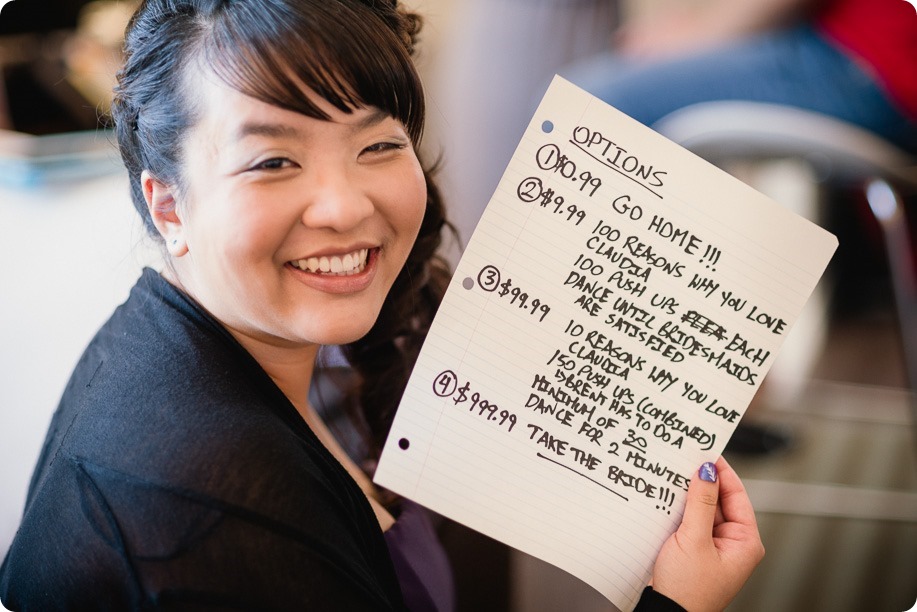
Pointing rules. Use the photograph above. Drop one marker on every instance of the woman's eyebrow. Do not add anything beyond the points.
(284, 130)
(375, 117)
(271, 130)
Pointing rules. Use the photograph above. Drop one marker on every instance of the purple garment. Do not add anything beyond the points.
(420, 561)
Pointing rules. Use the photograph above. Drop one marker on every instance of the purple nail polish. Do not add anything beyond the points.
(707, 472)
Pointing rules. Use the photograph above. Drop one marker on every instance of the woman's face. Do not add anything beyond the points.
(291, 230)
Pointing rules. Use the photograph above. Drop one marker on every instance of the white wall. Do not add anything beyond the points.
(69, 254)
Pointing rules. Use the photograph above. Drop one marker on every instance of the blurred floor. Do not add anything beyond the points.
(842, 535)
(837, 511)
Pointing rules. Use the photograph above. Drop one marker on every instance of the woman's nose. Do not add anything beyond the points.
(337, 203)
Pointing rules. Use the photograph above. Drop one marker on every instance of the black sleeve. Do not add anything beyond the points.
(654, 601)
(124, 544)
(177, 475)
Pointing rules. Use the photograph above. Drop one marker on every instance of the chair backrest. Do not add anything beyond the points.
(729, 130)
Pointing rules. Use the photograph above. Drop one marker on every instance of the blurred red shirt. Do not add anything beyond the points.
(882, 36)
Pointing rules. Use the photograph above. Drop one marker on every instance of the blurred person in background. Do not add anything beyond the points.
(850, 59)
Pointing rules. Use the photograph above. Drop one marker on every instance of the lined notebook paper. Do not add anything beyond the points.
(611, 318)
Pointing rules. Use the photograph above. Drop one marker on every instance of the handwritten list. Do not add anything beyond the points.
(614, 313)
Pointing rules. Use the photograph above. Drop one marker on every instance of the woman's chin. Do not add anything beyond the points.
(343, 332)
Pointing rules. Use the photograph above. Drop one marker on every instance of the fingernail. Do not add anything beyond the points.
(707, 472)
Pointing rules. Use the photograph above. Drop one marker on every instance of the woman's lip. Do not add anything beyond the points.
(339, 283)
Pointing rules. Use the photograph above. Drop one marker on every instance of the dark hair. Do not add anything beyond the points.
(264, 49)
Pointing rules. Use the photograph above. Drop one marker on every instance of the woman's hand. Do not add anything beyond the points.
(706, 561)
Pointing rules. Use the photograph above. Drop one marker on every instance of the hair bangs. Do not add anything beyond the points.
(271, 56)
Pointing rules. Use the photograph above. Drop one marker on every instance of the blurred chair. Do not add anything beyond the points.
(833, 153)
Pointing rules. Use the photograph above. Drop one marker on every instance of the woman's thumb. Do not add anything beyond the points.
(700, 508)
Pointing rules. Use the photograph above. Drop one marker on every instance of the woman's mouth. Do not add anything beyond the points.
(334, 265)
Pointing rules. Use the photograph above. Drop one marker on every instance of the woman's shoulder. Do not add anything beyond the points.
(246, 538)
(162, 375)
(133, 508)
(161, 397)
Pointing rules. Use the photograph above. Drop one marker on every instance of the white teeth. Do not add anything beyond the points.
(351, 263)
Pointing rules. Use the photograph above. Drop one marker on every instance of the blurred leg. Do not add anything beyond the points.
(795, 67)
(496, 60)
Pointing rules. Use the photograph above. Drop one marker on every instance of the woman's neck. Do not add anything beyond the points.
(289, 367)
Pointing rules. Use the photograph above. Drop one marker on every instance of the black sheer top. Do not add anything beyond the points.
(176, 474)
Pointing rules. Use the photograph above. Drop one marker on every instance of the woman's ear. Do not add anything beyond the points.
(161, 203)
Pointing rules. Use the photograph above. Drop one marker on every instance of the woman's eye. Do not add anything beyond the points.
(275, 163)
(381, 147)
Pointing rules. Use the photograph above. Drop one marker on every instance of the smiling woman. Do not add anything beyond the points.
(270, 146)
(273, 159)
